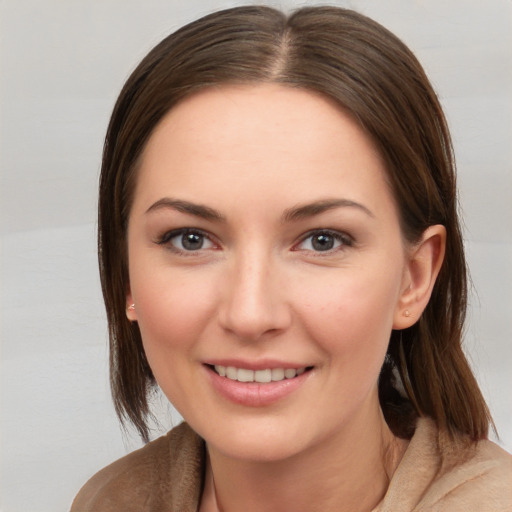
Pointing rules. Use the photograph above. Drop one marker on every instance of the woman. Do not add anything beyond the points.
(280, 252)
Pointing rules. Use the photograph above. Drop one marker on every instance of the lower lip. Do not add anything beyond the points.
(254, 394)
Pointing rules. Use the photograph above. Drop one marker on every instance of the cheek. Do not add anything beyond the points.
(172, 311)
(351, 314)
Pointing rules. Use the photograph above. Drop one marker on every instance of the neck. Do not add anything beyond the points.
(348, 472)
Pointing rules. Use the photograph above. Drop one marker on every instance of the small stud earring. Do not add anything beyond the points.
(131, 306)
(407, 313)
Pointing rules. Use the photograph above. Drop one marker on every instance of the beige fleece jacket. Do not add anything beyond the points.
(434, 476)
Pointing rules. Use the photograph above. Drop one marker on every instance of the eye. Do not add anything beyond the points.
(324, 241)
(186, 240)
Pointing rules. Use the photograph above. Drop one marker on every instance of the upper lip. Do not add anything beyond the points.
(262, 364)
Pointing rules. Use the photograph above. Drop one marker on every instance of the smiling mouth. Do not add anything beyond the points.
(259, 376)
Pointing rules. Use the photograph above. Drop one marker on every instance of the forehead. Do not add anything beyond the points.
(244, 115)
(267, 138)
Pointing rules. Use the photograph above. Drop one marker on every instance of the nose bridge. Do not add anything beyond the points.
(254, 303)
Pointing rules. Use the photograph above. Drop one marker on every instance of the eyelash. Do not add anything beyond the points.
(166, 238)
(343, 239)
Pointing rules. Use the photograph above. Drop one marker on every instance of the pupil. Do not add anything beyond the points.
(323, 242)
(192, 241)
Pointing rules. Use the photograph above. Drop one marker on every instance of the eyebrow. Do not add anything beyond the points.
(318, 207)
(291, 214)
(198, 210)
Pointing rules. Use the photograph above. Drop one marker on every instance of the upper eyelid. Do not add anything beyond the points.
(164, 241)
(334, 232)
(346, 239)
(171, 233)
(166, 236)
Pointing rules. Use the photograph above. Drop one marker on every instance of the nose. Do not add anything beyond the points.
(254, 305)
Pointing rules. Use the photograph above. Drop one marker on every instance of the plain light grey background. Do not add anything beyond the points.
(62, 64)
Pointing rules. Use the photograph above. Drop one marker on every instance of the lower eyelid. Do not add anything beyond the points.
(165, 239)
(344, 239)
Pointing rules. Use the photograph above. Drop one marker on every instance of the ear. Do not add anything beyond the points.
(423, 264)
(131, 313)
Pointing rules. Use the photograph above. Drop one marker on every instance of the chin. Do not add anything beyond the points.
(262, 450)
(258, 440)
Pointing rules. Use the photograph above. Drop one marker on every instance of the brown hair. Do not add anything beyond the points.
(370, 73)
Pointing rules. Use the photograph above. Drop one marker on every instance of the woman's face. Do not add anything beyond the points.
(266, 265)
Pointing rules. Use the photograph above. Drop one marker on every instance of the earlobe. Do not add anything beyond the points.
(424, 263)
(131, 314)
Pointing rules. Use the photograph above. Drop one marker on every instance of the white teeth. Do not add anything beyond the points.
(231, 373)
(245, 375)
(261, 376)
(289, 373)
(221, 370)
(277, 374)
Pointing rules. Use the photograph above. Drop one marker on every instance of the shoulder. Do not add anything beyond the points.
(167, 469)
(440, 474)
(482, 481)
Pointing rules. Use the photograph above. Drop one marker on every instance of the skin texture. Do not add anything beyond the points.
(258, 292)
